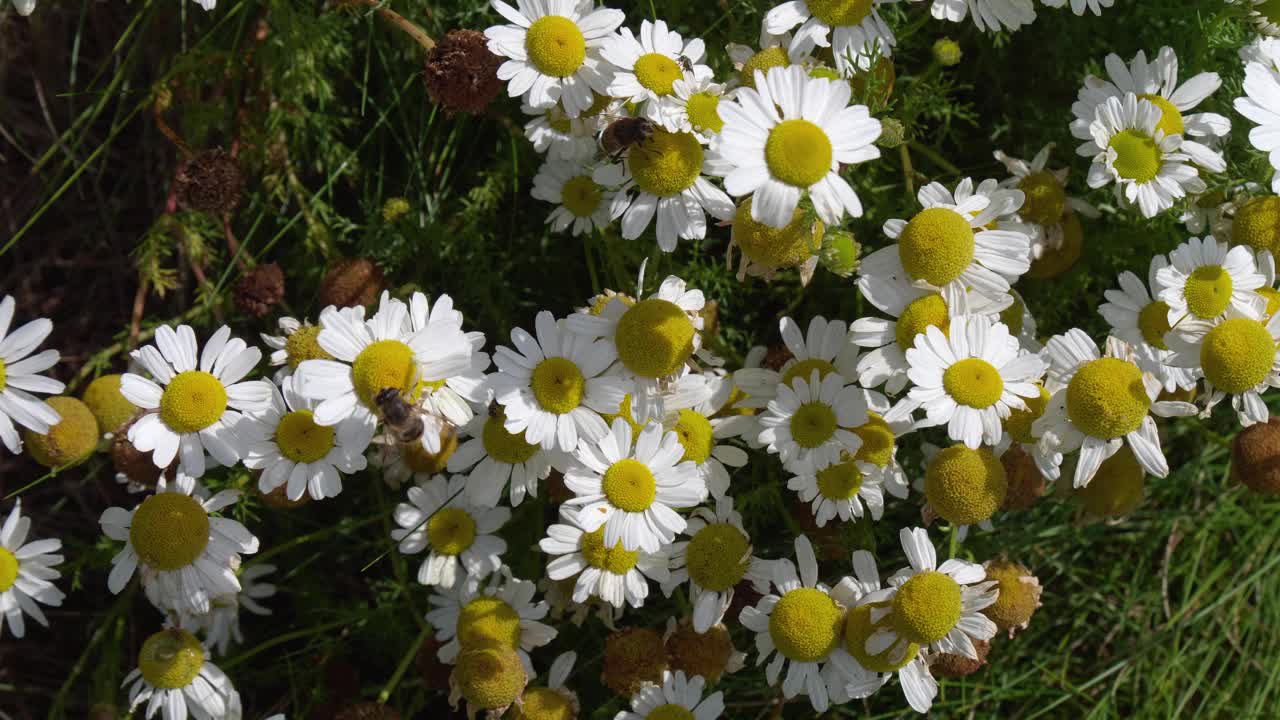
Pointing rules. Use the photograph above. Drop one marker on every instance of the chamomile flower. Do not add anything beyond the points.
(614, 574)
(913, 310)
(1238, 355)
(286, 444)
(632, 492)
(176, 678)
(1261, 104)
(677, 697)
(553, 388)
(221, 625)
(582, 204)
(969, 379)
(185, 555)
(853, 29)
(1080, 6)
(826, 346)
(993, 15)
(27, 572)
(449, 395)
(692, 408)
(19, 378)
(552, 50)
(1157, 83)
(1046, 205)
(1099, 403)
(562, 138)
(190, 407)
(647, 67)
(1142, 320)
(1130, 148)
(803, 624)
(788, 136)
(695, 107)
(458, 535)
(495, 457)
(715, 558)
(499, 613)
(843, 489)
(1206, 278)
(809, 425)
(297, 343)
(775, 51)
(948, 245)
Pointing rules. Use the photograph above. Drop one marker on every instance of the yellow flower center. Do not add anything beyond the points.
(74, 437)
(813, 424)
(542, 703)
(877, 441)
(1106, 398)
(1170, 118)
(581, 195)
(695, 433)
(804, 370)
(670, 711)
(451, 530)
(1012, 316)
(489, 678)
(304, 344)
(624, 412)
(718, 556)
(658, 73)
(103, 397)
(169, 531)
(936, 246)
(629, 485)
(1116, 489)
(1046, 199)
(1019, 422)
(558, 385)
(919, 315)
(840, 12)
(806, 625)
(667, 163)
(616, 560)
(772, 247)
(1138, 157)
(965, 486)
(192, 401)
(383, 364)
(654, 338)
(764, 60)
(488, 622)
(1208, 291)
(973, 382)
(927, 607)
(1017, 600)
(798, 153)
(2, 375)
(1256, 224)
(858, 627)
(841, 481)
(8, 569)
(503, 446)
(171, 659)
(1237, 355)
(1153, 321)
(704, 112)
(555, 46)
(301, 440)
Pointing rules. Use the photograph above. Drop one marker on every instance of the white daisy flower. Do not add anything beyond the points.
(1157, 83)
(1080, 6)
(221, 625)
(788, 136)
(970, 379)
(552, 48)
(450, 395)
(842, 489)
(716, 557)
(826, 346)
(582, 203)
(1206, 278)
(646, 68)
(677, 697)
(1131, 149)
(296, 343)
(993, 15)
(1238, 355)
(633, 491)
(695, 107)
(290, 448)
(809, 425)
(562, 138)
(1137, 317)
(192, 408)
(553, 388)
(1098, 404)
(185, 555)
(494, 456)
(804, 625)
(27, 572)
(460, 537)
(19, 378)
(692, 406)
(500, 612)
(1046, 206)
(614, 574)
(854, 31)
(175, 678)
(1261, 104)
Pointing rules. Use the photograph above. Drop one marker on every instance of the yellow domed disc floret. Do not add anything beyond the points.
(488, 622)
(381, 365)
(798, 153)
(1153, 321)
(1170, 119)
(451, 530)
(704, 112)
(858, 627)
(927, 607)
(192, 401)
(1019, 422)
(877, 441)
(304, 344)
(503, 446)
(936, 246)
(658, 73)
(667, 163)
(542, 703)
(718, 556)
(804, 370)
(841, 481)
(764, 60)
(696, 435)
(836, 13)
(8, 569)
(489, 678)
(581, 196)
(555, 46)
(973, 382)
(616, 560)
(558, 385)
(1208, 291)
(169, 530)
(301, 440)
(1046, 199)
(813, 424)
(1116, 489)
(72, 438)
(105, 401)
(1257, 224)
(806, 625)
(773, 247)
(1237, 355)
(919, 315)
(171, 659)
(629, 485)
(654, 338)
(1017, 599)
(1138, 158)
(965, 486)
(1106, 398)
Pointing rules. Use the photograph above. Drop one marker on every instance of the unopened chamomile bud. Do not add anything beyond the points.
(892, 133)
(947, 52)
(841, 253)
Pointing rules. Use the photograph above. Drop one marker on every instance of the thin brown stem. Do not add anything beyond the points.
(396, 19)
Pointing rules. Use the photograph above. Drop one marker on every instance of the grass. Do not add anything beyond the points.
(1166, 614)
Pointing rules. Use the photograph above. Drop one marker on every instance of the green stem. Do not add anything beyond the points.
(936, 157)
(955, 539)
(403, 666)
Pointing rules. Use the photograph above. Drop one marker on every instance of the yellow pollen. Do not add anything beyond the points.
(1019, 422)
(798, 153)
(558, 385)
(936, 246)
(927, 607)
(1153, 321)
(555, 46)
(1237, 355)
(503, 446)
(171, 659)
(451, 530)
(718, 556)
(654, 338)
(973, 382)
(1046, 199)
(8, 569)
(580, 196)
(804, 370)
(542, 703)
(858, 627)
(301, 440)
(489, 678)
(813, 424)
(616, 560)
(488, 622)
(304, 344)
(1116, 489)
(1106, 398)
(629, 485)
(704, 112)
(806, 625)
(696, 435)
(192, 401)
(772, 247)
(1208, 291)
(169, 531)
(764, 60)
(383, 364)
(965, 486)
(919, 315)
(877, 441)
(841, 481)
(836, 13)
(1138, 157)
(667, 163)
(1170, 118)
(1256, 224)
(658, 73)
(670, 711)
